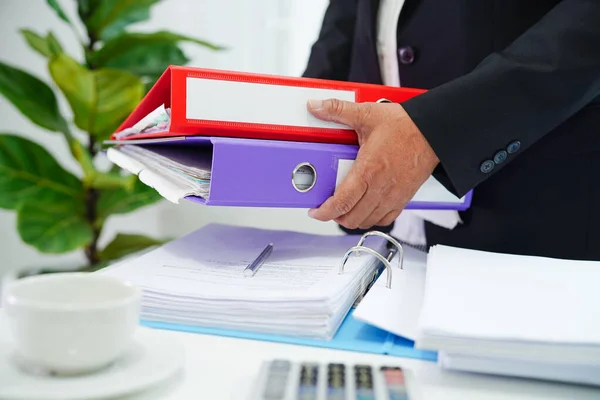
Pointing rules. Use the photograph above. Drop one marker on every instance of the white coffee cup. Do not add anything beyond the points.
(71, 323)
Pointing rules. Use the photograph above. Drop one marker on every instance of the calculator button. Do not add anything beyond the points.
(283, 365)
(336, 382)
(274, 391)
(307, 387)
(395, 383)
(363, 380)
(277, 378)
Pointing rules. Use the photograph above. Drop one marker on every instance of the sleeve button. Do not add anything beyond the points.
(500, 157)
(513, 147)
(487, 166)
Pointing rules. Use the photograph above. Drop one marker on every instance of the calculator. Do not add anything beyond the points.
(281, 379)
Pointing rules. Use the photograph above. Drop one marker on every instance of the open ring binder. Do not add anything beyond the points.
(397, 248)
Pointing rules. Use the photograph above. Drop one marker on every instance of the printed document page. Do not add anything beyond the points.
(209, 264)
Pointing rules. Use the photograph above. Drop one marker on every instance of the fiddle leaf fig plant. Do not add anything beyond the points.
(60, 211)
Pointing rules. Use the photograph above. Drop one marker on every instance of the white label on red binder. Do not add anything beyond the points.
(246, 102)
(431, 192)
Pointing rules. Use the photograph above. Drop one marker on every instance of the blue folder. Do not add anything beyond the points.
(353, 335)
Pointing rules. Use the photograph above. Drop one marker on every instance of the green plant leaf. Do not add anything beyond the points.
(58, 9)
(94, 178)
(84, 158)
(100, 99)
(105, 19)
(36, 42)
(28, 171)
(110, 180)
(32, 97)
(54, 223)
(124, 244)
(86, 8)
(53, 44)
(94, 267)
(145, 54)
(150, 61)
(47, 46)
(150, 82)
(123, 201)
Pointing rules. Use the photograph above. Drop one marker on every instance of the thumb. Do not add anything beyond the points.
(334, 110)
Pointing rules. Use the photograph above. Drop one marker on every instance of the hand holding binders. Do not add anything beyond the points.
(210, 102)
(258, 141)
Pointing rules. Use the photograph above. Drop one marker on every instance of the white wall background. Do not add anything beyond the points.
(269, 36)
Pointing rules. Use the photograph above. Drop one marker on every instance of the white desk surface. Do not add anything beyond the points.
(224, 368)
(221, 368)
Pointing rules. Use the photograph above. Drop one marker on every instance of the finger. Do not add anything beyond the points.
(361, 211)
(343, 112)
(345, 197)
(373, 220)
(389, 218)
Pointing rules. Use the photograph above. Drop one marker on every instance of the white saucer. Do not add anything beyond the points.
(152, 360)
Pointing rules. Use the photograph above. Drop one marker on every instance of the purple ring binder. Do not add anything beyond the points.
(258, 173)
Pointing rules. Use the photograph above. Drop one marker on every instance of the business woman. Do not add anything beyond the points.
(512, 111)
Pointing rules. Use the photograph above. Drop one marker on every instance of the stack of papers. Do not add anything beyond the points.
(157, 121)
(173, 171)
(516, 315)
(199, 280)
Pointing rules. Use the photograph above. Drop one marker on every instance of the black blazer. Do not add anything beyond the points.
(513, 111)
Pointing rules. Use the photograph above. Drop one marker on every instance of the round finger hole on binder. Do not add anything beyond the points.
(304, 177)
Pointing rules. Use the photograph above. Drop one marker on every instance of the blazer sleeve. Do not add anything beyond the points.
(513, 97)
(330, 54)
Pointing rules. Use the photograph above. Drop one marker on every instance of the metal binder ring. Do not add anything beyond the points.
(383, 101)
(304, 177)
(381, 258)
(390, 239)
